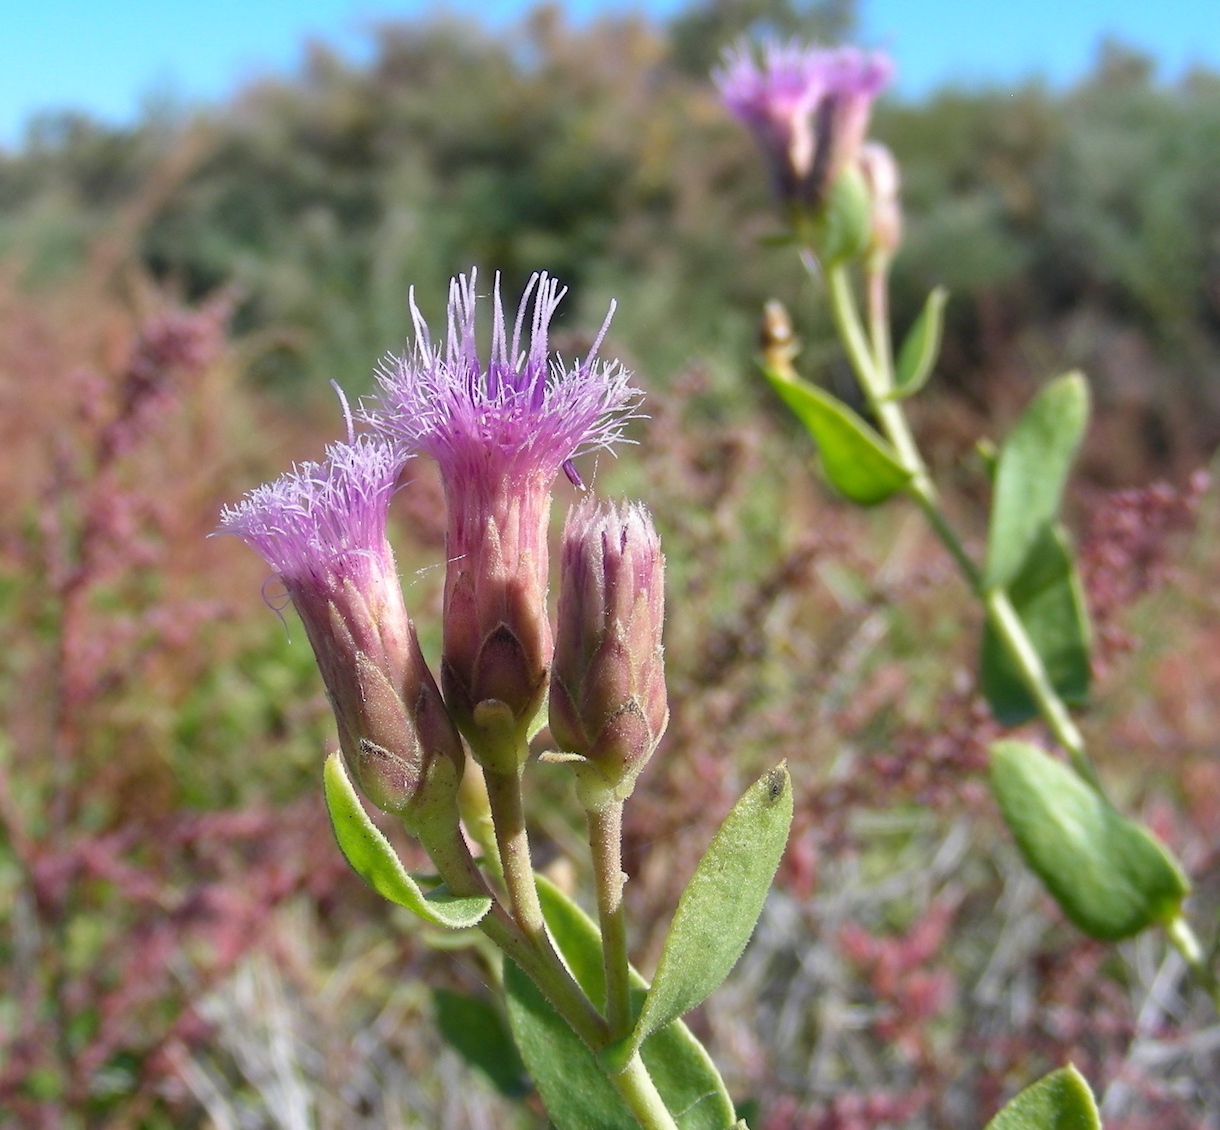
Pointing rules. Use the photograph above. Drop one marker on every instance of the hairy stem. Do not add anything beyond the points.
(508, 812)
(606, 845)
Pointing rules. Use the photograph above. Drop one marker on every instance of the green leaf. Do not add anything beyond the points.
(1049, 600)
(855, 459)
(1110, 875)
(1031, 474)
(574, 1087)
(372, 858)
(719, 909)
(1058, 1101)
(682, 1070)
(921, 347)
(476, 1030)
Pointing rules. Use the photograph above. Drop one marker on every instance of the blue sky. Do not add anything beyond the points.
(107, 56)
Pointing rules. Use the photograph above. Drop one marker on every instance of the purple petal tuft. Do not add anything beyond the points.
(520, 415)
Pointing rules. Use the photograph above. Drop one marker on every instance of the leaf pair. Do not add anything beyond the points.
(858, 462)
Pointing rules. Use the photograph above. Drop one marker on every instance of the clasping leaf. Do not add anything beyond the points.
(374, 860)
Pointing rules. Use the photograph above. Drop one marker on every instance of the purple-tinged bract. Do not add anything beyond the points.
(322, 527)
(808, 107)
(500, 431)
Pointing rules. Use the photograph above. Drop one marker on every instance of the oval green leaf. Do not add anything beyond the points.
(921, 347)
(858, 462)
(1061, 1100)
(719, 909)
(574, 1087)
(1049, 600)
(372, 858)
(1031, 473)
(1109, 875)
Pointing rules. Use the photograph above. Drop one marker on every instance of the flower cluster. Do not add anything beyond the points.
(500, 431)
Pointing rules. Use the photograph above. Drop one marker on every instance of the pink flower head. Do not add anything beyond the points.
(500, 432)
(808, 107)
(322, 527)
(608, 701)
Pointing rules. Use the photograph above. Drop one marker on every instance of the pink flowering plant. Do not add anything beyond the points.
(808, 109)
(604, 1048)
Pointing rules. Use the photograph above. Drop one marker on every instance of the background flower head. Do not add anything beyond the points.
(808, 108)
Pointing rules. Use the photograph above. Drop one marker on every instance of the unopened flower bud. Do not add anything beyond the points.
(881, 176)
(322, 528)
(608, 700)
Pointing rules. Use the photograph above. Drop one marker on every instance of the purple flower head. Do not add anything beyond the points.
(500, 431)
(523, 413)
(608, 701)
(808, 107)
(322, 527)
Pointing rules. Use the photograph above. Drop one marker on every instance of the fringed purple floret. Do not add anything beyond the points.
(520, 415)
(807, 106)
(322, 519)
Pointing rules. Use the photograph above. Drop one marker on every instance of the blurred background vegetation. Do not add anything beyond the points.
(175, 297)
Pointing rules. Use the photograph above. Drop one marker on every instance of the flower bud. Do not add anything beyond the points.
(881, 176)
(608, 700)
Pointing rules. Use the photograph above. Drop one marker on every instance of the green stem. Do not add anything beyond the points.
(445, 844)
(1183, 938)
(1008, 624)
(606, 846)
(876, 380)
(873, 367)
(508, 812)
(640, 1093)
